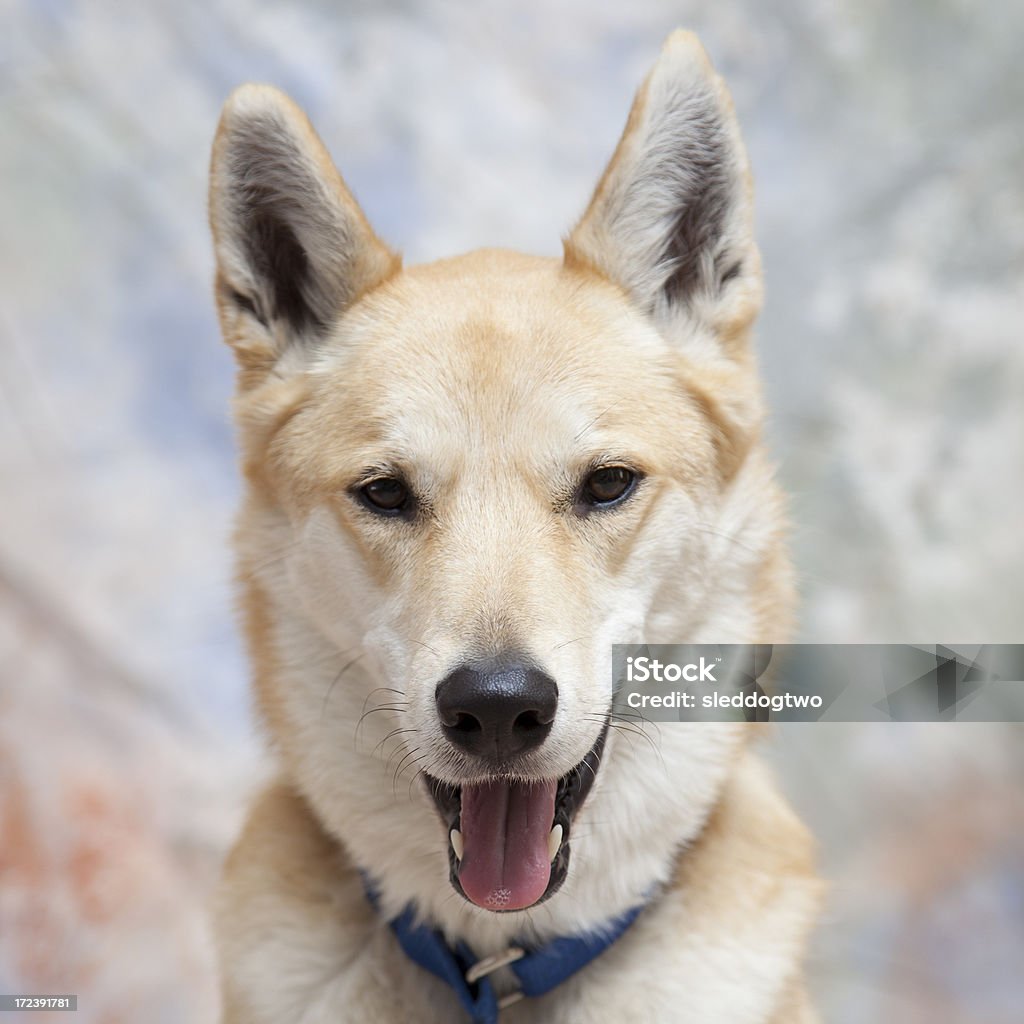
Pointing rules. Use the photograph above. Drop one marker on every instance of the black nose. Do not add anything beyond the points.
(497, 710)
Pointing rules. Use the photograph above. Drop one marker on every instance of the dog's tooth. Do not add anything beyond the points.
(456, 837)
(554, 841)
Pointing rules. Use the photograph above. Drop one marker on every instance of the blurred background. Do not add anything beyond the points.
(888, 145)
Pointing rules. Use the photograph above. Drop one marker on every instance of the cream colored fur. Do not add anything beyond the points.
(492, 382)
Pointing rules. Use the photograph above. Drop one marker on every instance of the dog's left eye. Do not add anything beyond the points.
(387, 494)
(608, 486)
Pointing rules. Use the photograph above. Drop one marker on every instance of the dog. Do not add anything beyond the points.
(464, 481)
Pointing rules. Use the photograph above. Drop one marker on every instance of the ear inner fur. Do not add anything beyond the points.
(670, 220)
(294, 250)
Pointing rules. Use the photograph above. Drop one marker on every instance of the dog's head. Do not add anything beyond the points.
(466, 480)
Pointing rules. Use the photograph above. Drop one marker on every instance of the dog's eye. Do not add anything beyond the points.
(386, 494)
(608, 485)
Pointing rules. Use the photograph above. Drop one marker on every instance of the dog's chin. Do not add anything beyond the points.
(509, 838)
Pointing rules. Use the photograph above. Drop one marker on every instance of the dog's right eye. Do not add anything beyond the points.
(386, 495)
(607, 486)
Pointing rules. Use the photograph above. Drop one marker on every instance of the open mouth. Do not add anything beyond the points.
(509, 838)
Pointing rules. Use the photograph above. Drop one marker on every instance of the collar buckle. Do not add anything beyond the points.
(490, 964)
(513, 997)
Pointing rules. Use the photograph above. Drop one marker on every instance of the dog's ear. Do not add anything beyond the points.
(293, 248)
(670, 220)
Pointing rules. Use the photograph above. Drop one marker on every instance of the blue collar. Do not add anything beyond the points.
(538, 971)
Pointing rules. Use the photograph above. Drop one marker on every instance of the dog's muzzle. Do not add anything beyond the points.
(509, 836)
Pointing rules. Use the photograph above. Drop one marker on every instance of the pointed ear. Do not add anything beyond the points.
(293, 248)
(670, 220)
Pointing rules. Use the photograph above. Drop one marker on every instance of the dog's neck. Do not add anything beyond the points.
(484, 985)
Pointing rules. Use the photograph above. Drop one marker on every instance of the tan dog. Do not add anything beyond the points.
(465, 481)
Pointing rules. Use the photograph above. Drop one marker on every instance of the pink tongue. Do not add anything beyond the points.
(505, 828)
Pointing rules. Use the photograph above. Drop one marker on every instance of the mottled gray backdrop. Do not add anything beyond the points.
(888, 149)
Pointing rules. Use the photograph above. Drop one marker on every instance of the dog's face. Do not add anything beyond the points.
(468, 480)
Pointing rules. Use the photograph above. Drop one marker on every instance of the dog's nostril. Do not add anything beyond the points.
(466, 723)
(497, 710)
(527, 721)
